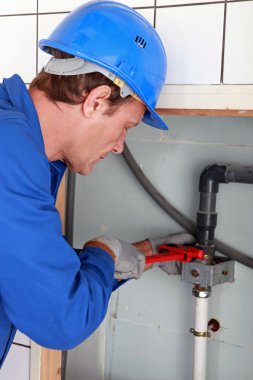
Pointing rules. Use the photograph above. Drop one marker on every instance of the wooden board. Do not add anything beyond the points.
(204, 112)
(47, 364)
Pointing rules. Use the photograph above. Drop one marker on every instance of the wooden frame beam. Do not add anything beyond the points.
(205, 112)
(47, 364)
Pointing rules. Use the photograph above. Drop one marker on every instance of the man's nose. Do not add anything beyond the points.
(119, 146)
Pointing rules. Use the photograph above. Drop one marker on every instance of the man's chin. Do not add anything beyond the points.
(87, 170)
(80, 171)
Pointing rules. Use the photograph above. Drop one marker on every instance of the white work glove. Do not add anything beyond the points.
(171, 267)
(129, 261)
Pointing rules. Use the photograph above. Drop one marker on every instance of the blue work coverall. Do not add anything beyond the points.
(47, 291)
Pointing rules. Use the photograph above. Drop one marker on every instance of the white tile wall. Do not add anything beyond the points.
(238, 67)
(138, 3)
(46, 24)
(193, 42)
(176, 2)
(67, 5)
(17, 364)
(148, 14)
(59, 5)
(21, 338)
(17, 6)
(18, 46)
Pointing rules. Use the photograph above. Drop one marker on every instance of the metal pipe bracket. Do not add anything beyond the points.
(200, 334)
(202, 274)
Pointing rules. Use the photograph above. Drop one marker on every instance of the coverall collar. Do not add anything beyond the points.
(16, 87)
(21, 100)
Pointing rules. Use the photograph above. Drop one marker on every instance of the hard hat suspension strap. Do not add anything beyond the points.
(76, 66)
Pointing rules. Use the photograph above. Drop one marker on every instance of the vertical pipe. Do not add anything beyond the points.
(200, 342)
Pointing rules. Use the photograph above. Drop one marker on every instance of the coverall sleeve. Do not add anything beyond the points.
(50, 293)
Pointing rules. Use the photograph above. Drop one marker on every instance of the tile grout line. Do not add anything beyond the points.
(21, 345)
(138, 8)
(155, 14)
(37, 38)
(35, 14)
(223, 43)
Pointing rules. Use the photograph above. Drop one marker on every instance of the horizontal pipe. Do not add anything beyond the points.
(213, 175)
(239, 174)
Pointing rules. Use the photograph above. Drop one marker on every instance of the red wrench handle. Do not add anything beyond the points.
(178, 253)
(161, 257)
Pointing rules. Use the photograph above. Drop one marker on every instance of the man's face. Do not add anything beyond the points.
(106, 134)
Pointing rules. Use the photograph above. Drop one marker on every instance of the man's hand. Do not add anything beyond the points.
(150, 247)
(145, 247)
(130, 258)
(129, 261)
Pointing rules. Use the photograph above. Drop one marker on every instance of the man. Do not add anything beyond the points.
(106, 74)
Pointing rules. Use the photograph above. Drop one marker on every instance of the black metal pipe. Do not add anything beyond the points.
(209, 181)
(240, 174)
(70, 205)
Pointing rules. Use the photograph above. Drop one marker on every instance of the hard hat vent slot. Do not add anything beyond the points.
(140, 42)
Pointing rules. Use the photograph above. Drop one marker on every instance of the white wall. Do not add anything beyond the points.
(147, 326)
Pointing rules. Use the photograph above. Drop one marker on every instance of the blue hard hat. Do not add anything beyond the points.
(117, 38)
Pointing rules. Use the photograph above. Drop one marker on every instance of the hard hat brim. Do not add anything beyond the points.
(152, 118)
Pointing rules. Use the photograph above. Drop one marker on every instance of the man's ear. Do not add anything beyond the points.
(96, 102)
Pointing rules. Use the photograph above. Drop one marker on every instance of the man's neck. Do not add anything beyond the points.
(51, 118)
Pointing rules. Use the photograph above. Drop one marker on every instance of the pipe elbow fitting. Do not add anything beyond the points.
(211, 177)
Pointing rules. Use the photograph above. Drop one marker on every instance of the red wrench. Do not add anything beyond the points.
(175, 252)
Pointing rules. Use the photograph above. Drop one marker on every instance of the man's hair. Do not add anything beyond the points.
(73, 89)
